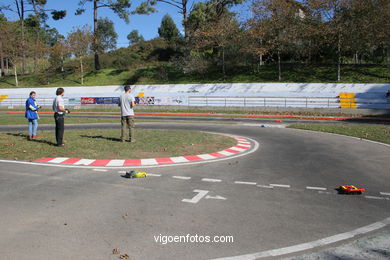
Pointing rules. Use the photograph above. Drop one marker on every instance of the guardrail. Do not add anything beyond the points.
(307, 102)
(298, 102)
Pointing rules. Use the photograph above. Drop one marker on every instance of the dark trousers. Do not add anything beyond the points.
(59, 119)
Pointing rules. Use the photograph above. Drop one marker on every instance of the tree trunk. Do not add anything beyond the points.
(7, 65)
(82, 71)
(1, 60)
(16, 76)
(223, 62)
(339, 59)
(95, 39)
(184, 11)
(279, 67)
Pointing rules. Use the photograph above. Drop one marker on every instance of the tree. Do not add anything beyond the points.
(37, 7)
(80, 41)
(3, 21)
(120, 7)
(11, 46)
(280, 21)
(217, 36)
(168, 29)
(134, 37)
(182, 6)
(58, 52)
(106, 35)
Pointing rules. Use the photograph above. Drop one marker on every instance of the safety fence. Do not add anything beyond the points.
(344, 100)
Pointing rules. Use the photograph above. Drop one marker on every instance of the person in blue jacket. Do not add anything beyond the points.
(32, 115)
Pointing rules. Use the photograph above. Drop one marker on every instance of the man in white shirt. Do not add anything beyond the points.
(126, 102)
(59, 112)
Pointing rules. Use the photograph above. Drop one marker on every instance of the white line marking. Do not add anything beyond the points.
(206, 156)
(244, 144)
(198, 197)
(58, 160)
(122, 172)
(226, 153)
(315, 188)
(237, 149)
(211, 180)
(179, 159)
(84, 162)
(154, 175)
(100, 170)
(116, 163)
(149, 162)
(245, 182)
(265, 186)
(310, 245)
(385, 193)
(280, 185)
(181, 177)
(374, 197)
(216, 197)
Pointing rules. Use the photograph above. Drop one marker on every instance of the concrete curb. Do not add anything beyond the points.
(241, 146)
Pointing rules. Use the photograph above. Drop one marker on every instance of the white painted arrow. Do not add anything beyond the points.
(216, 197)
(198, 197)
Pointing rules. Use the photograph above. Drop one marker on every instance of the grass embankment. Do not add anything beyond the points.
(105, 144)
(379, 133)
(167, 74)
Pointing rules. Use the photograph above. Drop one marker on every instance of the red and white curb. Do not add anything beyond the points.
(243, 145)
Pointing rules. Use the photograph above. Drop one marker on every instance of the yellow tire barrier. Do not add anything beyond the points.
(2, 97)
(347, 100)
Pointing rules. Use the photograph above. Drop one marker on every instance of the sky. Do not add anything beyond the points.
(147, 25)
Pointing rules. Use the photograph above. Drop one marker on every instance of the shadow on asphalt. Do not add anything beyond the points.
(33, 140)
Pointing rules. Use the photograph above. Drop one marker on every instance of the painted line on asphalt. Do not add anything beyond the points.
(211, 180)
(154, 175)
(375, 197)
(315, 188)
(310, 245)
(265, 186)
(181, 177)
(280, 185)
(245, 182)
(385, 193)
(99, 170)
(198, 197)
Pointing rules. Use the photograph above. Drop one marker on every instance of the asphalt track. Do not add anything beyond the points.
(279, 196)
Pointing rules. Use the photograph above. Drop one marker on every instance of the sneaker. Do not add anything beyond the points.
(60, 145)
(34, 137)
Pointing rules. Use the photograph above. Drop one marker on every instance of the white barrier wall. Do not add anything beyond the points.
(181, 94)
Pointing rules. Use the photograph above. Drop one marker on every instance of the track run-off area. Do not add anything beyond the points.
(275, 200)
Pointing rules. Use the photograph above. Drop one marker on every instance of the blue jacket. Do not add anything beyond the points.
(31, 109)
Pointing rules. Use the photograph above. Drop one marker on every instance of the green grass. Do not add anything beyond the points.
(105, 144)
(379, 133)
(163, 73)
(20, 120)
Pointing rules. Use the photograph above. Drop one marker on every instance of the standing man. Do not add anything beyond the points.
(59, 112)
(126, 102)
(32, 115)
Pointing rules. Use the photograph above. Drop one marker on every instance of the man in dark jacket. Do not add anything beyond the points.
(32, 115)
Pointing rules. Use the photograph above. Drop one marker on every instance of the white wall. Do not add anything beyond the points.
(170, 94)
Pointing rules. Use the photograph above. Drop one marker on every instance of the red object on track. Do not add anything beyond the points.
(350, 189)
